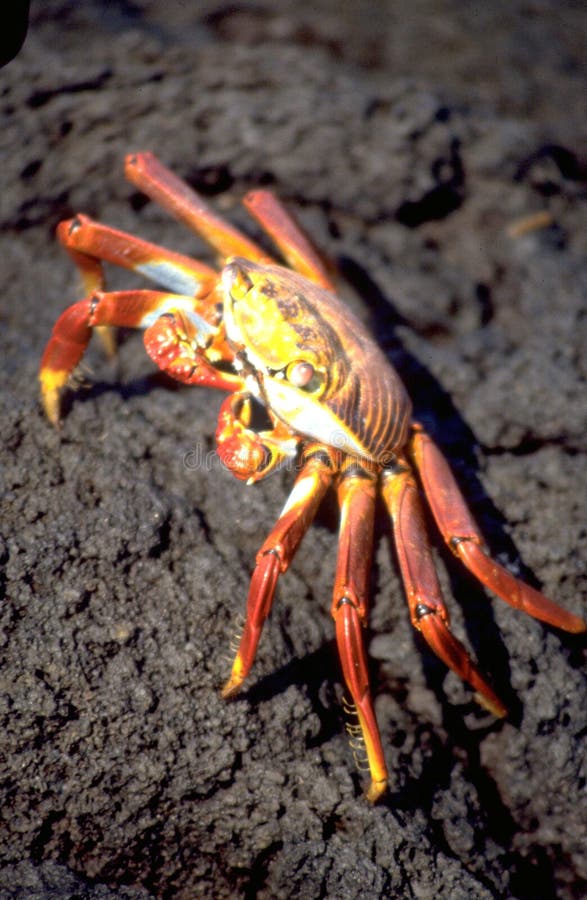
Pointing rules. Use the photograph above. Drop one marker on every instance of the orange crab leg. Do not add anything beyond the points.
(428, 613)
(295, 246)
(133, 309)
(465, 540)
(356, 497)
(147, 173)
(89, 267)
(90, 242)
(277, 552)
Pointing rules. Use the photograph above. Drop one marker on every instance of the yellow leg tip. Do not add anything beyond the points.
(232, 687)
(52, 384)
(495, 707)
(107, 337)
(376, 790)
(237, 676)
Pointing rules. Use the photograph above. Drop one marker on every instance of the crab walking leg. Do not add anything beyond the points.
(465, 540)
(133, 309)
(297, 249)
(356, 497)
(428, 613)
(91, 273)
(90, 242)
(88, 265)
(147, 173)
(277, 552)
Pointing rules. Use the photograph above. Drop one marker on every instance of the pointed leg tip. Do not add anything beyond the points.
(492, 705)
(558, 617)
(577, 625)
(231, 688)
(107, 337)
(52, 408)
(52, 384)
(376, 790)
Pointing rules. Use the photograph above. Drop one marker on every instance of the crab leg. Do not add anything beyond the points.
(356, 497)
(147, 173)
(133, 309)
(90, 242)
(428, 613)
(295, 246)
(465, 540)
(277, 552)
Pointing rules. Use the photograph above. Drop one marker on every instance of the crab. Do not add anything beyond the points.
(307, 385)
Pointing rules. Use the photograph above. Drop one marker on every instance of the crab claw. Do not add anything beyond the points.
(250, 455)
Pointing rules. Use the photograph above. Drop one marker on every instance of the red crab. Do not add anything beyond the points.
(279, 338)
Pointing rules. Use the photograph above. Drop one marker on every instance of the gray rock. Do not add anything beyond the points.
(125, 568)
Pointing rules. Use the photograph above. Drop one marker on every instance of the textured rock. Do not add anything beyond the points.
(125, 548)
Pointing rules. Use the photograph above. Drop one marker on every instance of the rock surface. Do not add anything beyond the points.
(409, 148)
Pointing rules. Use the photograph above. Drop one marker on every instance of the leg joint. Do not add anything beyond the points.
(345, 600)
(94, 303)
(422, 610)
(455, 541)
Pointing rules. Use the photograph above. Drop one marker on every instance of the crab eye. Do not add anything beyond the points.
(300, 373)
(303, 375)
(236, 281)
